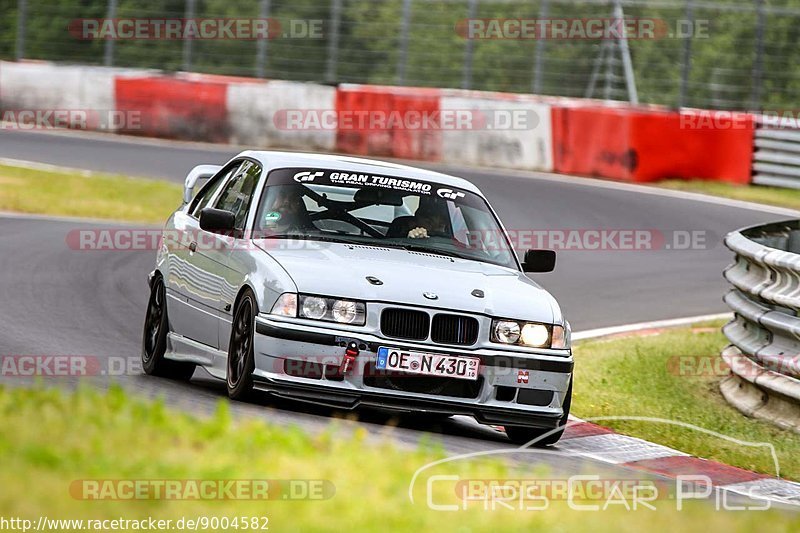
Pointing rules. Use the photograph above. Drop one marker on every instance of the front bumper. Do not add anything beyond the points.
(303, 362)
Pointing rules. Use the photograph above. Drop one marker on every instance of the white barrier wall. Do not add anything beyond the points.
(257, 113)
(517, 133)
(48, 87)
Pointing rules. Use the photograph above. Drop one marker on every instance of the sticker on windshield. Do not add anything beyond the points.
(368, 180)
(450, 194)
(397, 184)
(307, 176)
(271, 218)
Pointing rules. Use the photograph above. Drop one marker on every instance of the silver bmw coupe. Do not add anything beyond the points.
(351, 282)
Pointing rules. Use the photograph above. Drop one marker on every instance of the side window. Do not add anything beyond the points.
(209, 190)
(238, 193)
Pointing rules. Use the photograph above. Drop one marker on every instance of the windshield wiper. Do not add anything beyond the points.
(434, 251)
(308, 237)
(341, 240)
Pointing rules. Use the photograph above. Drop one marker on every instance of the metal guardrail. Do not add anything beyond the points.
(776, 156)
(764, 354)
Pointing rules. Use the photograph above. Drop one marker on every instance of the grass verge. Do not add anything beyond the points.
(675, 375)
(77, 194)
(52, 440)
(776, 196)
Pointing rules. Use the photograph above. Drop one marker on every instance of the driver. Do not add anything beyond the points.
(430, 220)
(287, 212)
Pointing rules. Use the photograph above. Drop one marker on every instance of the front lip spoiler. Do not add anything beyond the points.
(492, 360)
(341, 399)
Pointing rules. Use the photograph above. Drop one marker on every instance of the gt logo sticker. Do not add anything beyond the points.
(307, 176)
(450, 194)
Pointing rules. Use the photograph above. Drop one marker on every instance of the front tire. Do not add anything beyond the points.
(523, 435)
(154, 338)
(241, 356)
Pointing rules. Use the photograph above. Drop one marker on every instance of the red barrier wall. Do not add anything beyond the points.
(372, 138)
(191, 109)
(645, 146)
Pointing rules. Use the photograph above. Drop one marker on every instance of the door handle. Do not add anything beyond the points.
(193, 247)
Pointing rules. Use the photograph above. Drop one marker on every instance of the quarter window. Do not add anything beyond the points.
(209, 191)
(238, 193)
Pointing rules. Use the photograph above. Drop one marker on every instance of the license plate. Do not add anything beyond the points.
(428, 364)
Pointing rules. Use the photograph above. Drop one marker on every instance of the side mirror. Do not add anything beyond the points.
(217, 220)
(200, 172)
(539, 261)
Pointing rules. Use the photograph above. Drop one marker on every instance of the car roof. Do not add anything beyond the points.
(275, 159)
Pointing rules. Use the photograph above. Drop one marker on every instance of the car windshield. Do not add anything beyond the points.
(377, 210)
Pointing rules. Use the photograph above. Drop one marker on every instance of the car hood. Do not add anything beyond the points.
(341, 270)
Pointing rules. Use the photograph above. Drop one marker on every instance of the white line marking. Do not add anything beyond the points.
(628, 328)
(122, 138)
(33, 165)
(76, 220)
(653, 190)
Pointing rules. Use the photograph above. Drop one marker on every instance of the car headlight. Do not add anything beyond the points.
(313, 307)
(506, 331)
(533, 334)
(321, 308)
(346, 312)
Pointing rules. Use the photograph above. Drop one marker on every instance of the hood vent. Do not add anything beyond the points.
(364, 247)
(437, 256)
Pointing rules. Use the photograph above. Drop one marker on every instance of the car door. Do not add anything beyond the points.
(195, 281)
(239, 261)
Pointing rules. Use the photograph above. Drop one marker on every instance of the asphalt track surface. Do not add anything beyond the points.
(56, 300)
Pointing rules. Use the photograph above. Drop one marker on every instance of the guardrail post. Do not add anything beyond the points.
(627, 64)
(402, 56)
(187, 43)
(333, 42)
(686, 64)
(22, 20)
(466, 75)
(758, 61)
(108, 54)
(261, 44)
(538, 58)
